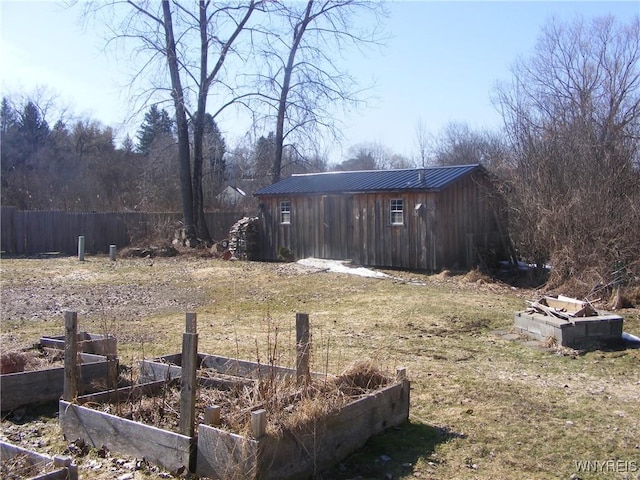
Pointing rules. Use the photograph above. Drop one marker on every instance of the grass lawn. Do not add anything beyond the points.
(484, 404)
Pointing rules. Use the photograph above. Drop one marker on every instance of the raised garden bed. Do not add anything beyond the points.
(87, 343)
(19, 463)
(167, 449)
(244, 419)
(306, 448)
(46, 385)
(91, 372)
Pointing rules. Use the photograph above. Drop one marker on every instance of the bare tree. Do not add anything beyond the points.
(572, 114)
(157, 180)
(458, 144)
(302, 78)
(193, 43)
(422, 142)
(373, 156)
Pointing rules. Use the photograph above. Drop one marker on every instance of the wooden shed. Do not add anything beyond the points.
(418, 219)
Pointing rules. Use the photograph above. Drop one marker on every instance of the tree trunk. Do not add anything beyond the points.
(198, 130)
(284, 92)
(184, 153)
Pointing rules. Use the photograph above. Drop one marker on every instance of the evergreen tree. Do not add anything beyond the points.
(156, 124)
(33, 133)
(8, 135)
(263, 154)
(215, 149)
(128, 147)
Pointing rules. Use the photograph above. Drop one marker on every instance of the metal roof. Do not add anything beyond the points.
(361, 181)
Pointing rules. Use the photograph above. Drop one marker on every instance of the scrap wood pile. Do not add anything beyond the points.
(243, 239)
(562, 307)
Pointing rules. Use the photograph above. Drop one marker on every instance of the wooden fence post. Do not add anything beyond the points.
(112, 372)
(303, 343)
(191, 322)
(70, 389)
(188, 383)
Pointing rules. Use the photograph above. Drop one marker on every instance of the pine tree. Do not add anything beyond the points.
(215, 149)
(156, 124)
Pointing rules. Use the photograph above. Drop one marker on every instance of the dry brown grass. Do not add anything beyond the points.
(482, 405)
(30, 360)
(290, 408)
(20, 467)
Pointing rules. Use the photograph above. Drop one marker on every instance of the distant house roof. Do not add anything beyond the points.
(361, 181)
(231, 194)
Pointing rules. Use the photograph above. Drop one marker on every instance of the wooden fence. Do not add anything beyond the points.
(30, 232)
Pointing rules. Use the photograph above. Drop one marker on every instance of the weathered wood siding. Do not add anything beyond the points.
(466, 221)
(440, 230)
(29, 232)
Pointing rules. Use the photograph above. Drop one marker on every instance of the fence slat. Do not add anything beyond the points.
(7, 229)
(31, 232)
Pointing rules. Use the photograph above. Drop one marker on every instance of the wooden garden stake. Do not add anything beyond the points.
(259, 423)
(112, 373)
(303, 375)
(212, 415)
(70, 389)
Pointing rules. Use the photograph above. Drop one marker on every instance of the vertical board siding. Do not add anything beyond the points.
(31, 232)
(446, 232)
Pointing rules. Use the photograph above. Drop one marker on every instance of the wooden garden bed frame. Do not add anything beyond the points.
(222, 454)
(217, 453)
(63, 468)
(47, 385)
(96, 344)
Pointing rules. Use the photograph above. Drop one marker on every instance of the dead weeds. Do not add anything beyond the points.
(20, 467)
(290, 408)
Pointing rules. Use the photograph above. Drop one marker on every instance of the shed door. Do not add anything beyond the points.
(337, 226)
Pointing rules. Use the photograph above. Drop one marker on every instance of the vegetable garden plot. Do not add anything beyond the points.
(46, 385)
(233, 418)
(39, 385)
(305, 438)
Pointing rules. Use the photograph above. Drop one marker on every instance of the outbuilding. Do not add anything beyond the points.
(418, 219)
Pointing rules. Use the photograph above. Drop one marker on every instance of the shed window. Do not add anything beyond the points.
(285, 211)
(397, 212)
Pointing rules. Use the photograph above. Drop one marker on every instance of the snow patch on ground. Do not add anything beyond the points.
(340, 266)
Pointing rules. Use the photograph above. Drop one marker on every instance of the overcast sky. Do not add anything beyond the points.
(440, 65)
